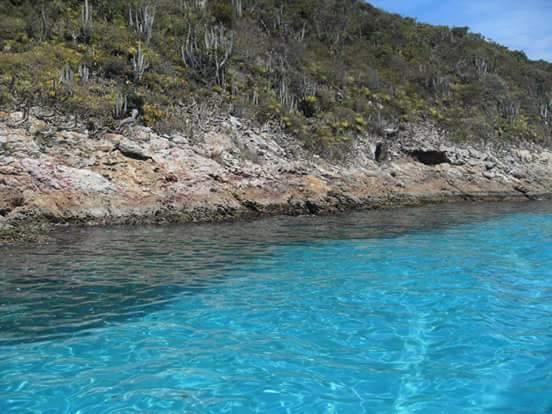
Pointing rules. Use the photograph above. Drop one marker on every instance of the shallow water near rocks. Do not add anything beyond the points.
(427, 310)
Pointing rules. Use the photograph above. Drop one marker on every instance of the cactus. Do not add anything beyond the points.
(219, 45)
(86, 21)
(255, 97)
(192, 4)
(287, 100)
(238, 8)
(545, 111)
(44, 23)
(139, 64)
(66, 77)
(121, 106)
(210, 55)
(84, 73)
(142, 20)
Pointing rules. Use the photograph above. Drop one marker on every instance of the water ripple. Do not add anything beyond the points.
(441, 309)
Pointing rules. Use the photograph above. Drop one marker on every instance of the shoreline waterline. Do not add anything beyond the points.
(38, 230)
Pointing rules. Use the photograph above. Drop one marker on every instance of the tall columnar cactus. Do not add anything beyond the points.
(84, 73)
(238, 7)
(139, 64)
(142, 20)
(121, 106)
(211, 54)
(481, 65)
(44, 23)
(66, 77)
(287, 99)
(86, 21)
(219, 45)
(192, 4)
(545, 111)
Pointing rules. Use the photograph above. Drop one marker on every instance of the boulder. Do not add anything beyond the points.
(37, 126)
(132, 150)
(519, 173)
(524, 155)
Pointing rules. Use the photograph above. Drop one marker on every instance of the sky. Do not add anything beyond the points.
(518, 24)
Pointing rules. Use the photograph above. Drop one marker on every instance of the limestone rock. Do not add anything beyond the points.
(133, 150)
(231, 169)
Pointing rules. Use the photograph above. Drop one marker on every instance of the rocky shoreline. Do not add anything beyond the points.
(53, 173)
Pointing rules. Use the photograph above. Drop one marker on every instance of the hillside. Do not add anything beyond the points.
(118, 112)
(325, 71)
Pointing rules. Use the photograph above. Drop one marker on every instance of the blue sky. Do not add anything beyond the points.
(519, 24)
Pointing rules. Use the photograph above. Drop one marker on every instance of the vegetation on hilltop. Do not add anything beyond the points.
(326, 70)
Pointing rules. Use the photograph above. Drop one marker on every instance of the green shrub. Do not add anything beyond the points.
(115, 67)
(309, 106)
(349, 67)
(223, 13)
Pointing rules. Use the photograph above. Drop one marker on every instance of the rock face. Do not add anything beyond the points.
(230, 170)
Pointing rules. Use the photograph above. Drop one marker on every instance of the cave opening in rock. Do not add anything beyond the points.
(430, 157)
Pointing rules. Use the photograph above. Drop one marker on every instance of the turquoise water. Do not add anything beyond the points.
(435, 310)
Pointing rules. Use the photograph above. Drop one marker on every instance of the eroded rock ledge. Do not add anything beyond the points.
(50, 175)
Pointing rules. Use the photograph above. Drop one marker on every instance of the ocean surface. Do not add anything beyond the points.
(443, 309)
